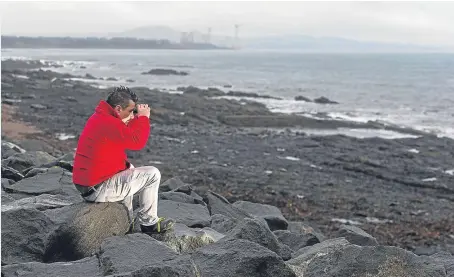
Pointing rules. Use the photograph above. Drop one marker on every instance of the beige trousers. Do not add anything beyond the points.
(124, 185)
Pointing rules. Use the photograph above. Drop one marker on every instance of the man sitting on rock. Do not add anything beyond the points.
(101, 171)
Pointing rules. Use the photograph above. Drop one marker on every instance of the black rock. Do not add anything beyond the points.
(183, 239)
(257, 231)
(131, 252)
(217, 204)
(324, 100)
(171, 184)
(66, 162)
(271, 214)
(447, 260)
(86, 267)
(21, 161)
(296, 241)
(10, 173)
(54, 181)
(182, 266)
(356, 236)
(305, 228)
(191, 215)
(250, 94)
(28, 96)
(9, 149)
(222, 223)
(302, 98)
(239, 258)
(60, 215)
(40, 202)
(24, 233)
(35, 171)
(89, 76)
(181, 197)
(325, 246)
(83, 233)
(161, 71)
(345, 259)
(210, 92)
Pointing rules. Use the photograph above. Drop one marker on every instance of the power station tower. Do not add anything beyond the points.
(208, 36)
(236, 40)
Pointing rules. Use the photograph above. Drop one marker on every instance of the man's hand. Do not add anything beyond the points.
(143, 109)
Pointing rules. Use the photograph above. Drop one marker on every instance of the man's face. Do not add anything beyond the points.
(127, 113)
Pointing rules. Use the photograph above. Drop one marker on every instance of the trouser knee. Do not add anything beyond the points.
(154, 173)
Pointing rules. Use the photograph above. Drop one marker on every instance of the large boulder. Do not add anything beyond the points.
(294, 240)
(66, 162)
(35, 171)
(217, 204)
(11, 173)
(305, 228)
(40, 202)
(24, 233)
(85, 230)
(257, 231)
(447, 260)
(9, 149)
(356, 235)
(183, 239)
(131, 252)
(239, 258)
(325, 247)
(222, 223)
(85, 267)
(60, 215)
(22, 161)
(181, 197)
(191, 215)
(272, 215)
(340, 258)
(182, 266)
(54, 181)
(171, 184)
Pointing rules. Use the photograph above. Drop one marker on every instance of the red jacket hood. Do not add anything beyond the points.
(104, 108)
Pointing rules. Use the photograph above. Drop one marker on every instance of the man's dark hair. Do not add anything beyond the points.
(121, 96)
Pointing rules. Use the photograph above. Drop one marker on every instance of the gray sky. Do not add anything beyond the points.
(429, 23)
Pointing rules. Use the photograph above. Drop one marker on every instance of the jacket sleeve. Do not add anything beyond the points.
(134, 136)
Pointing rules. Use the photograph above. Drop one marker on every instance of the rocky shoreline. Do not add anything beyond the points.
(47, 230)
(399, 191)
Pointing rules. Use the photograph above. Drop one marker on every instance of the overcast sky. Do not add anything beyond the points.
(429, 23)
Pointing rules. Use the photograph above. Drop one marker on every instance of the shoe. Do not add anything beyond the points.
(161, 226)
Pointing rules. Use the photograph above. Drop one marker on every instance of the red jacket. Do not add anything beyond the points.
(101, 148)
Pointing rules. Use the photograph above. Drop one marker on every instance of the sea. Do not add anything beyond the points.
(410, 90)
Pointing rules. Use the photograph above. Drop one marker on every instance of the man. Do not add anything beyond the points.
(101, 171)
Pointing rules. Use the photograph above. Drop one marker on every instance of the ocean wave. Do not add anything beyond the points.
(403, 117)
(17, 58)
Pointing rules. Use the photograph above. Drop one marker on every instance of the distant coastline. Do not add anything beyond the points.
(100, 43)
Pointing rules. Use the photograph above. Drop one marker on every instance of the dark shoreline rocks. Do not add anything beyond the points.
(162, 71)
(97, 239)
(399, 196)
(324, 100)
